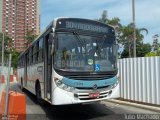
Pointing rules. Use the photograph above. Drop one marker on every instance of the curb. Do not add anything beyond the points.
(148, 107)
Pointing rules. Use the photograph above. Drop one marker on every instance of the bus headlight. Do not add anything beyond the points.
(58, 82)
(61, 85)
(114, 85)
(65, 87)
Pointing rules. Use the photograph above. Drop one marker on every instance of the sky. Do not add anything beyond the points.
(147, 12)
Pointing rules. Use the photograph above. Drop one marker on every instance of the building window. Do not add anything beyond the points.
(13, 1)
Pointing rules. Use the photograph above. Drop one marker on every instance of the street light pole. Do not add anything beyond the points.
(134, 27)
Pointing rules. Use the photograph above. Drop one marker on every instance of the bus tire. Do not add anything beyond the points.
(38, 94)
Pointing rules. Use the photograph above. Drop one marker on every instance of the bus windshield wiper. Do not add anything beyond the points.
(103, 40)
(78, 38)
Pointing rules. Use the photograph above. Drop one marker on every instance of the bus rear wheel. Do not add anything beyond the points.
(38, 94)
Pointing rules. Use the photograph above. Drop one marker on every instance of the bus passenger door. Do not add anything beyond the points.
(47, 68)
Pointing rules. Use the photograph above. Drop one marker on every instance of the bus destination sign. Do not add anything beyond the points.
(83, 25)
(87, 27)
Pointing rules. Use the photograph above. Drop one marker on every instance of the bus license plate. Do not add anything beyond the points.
(94, 95)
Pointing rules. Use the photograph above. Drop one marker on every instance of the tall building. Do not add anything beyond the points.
(0, 15)
(18, 17)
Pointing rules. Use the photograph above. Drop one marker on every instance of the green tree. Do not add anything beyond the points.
(124, 36)
(114, 22)
(7, 46)
(143, 49)
(150, 54)
(30, 36)
(158, 52)
(15, 55)
(127, 40)
(153, 53)
(7, 42)
(8, 49)
(155, 45)
(103, 18)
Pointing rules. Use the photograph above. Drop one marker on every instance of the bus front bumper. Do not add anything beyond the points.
(62, 97)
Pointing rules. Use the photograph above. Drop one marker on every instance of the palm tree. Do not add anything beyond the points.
(30, 36)
(127, 37)
(155, 45)
(124, 34)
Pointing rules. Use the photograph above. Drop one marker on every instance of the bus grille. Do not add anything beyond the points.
(85, 96)
(91, 88)
(89, 77)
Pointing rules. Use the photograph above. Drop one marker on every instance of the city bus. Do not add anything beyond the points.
(74, 61)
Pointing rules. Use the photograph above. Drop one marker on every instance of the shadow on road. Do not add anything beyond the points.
(77, 112)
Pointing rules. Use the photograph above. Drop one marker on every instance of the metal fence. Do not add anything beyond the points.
(140, 79)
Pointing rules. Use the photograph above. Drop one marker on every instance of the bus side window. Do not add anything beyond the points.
(40, 55)
(27, 56)
(35, 52)
(31, 55)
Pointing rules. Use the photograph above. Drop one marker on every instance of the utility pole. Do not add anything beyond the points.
(2, 61)
(3, 51)
(7, 88)
(134, 27)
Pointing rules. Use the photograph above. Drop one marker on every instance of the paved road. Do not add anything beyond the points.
(98, 111)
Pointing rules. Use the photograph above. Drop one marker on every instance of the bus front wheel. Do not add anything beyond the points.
(38, 94)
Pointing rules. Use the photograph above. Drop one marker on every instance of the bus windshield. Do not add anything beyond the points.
(85, 53)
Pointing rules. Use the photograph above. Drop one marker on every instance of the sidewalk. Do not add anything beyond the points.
(138, 105)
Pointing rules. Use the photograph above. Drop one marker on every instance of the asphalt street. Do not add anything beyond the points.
(98, 111)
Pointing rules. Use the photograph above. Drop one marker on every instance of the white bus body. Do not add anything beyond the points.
(40, 78)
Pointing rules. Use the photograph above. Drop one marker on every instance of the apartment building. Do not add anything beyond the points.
(18, 17)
